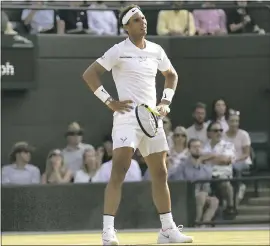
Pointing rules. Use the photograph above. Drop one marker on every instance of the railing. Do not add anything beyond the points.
(145, 7)
(52, 6)
(235, 182)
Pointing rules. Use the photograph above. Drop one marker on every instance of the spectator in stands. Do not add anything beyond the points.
(76, 21)
(240, 20)
(192, 169)
(178, 22)
(133, 174)
(242, 143)
(107, 148)
(198, 129)
(220, 113)
(56, 172)
(102, 22)
(73, 153)
(178, 153)
(6, 26)
(42, 21)
(91, 164)
(210, 21)
(220, 155)
(167, 126)
(20, 172)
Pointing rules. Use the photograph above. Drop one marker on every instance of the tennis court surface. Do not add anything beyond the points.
(231, 236)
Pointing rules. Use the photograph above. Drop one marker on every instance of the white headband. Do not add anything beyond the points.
(129, 14)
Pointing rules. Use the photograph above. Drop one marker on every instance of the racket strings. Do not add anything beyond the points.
(147, 120)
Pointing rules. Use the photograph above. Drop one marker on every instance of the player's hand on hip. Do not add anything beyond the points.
(163, 109)
(121, 106)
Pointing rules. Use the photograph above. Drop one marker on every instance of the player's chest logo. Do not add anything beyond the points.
(140, 63)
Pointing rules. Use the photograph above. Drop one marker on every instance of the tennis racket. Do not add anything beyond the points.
(148, 119)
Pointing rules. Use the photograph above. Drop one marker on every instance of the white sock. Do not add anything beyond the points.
(166, 221)
(108, 221)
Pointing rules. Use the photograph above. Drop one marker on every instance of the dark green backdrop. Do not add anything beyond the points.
(80, 206)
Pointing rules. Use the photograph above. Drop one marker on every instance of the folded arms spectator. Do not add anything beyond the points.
(210, 21)
(20, 172)
(220, 155)
(56, 172)
(176, 22)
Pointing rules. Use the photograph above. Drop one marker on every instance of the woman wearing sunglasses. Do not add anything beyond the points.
(178, 152)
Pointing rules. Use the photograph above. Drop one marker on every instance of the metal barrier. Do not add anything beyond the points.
(235, 182)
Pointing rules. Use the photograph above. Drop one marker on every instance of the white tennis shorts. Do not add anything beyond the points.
(127, 133)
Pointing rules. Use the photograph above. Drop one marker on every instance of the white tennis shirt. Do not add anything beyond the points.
(134, 70)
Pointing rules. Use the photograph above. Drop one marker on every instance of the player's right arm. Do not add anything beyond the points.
(92, 76)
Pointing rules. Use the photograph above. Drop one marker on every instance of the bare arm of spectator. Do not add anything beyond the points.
(222, 22)
(246, 142)
(233, 26)
(191, 25)
(162, 28)
(65, 179)
(44, 178)
(35, 176)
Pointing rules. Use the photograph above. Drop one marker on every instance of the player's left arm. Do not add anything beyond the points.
(171, 81)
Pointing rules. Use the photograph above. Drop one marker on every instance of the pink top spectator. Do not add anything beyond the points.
(210, 20)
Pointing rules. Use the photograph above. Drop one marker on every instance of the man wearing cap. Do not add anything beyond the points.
(20, 172)
(134, 63)
(73, 153)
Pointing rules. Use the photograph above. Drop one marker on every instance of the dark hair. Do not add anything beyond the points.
(209, 127)
(213, 115)
(192, 140)
(125, 10)
(199, 105)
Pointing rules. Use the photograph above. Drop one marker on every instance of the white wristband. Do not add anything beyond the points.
(168, 94)
(102, 94)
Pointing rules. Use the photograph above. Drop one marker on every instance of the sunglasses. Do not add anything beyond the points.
(217, 130)
(165, 122)
(179, 134)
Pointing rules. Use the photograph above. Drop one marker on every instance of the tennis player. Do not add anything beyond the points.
(134, 64)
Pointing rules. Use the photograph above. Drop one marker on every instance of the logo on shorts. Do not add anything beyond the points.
(123, 139)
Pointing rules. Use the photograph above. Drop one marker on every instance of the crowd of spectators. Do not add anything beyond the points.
(177, 22)
(206, 150)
